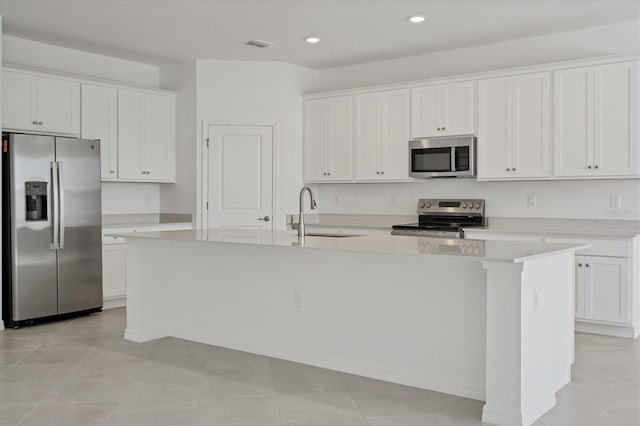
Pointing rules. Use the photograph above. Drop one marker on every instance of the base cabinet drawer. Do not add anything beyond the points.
(114, 270)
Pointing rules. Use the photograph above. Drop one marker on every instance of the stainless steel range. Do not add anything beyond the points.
(444, 218)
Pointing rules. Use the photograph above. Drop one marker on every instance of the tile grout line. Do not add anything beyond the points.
(54, 388)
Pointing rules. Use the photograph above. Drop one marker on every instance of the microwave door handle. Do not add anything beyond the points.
(453, 158)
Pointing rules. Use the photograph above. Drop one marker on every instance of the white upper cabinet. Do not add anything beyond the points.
(39, 104)
(328, 139)
(443, 110)
(595, 131)
(616, 120)
(513, 127)
(146, 136)
(100, 121)
(382, 135)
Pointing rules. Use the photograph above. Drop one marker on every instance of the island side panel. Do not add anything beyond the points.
(415, 320)
(530, 336)
(148, 295)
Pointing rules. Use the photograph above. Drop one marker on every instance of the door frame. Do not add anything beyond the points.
(202, 167)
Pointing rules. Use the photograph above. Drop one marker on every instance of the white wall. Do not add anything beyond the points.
(116, 197)
(243, 91)
(130, 198)
(617, 39)
(181, 196)
(27, 53)
(557, 199)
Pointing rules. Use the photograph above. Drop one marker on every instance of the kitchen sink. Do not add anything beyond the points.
(328, 235)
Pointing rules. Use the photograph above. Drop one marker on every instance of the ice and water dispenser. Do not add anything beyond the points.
(36, 197)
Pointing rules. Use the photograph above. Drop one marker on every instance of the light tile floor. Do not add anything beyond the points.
(82, 372)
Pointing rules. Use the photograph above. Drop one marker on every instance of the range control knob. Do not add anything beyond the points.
(428, 205)
(463, 205)
(476, 205)
(422, 204)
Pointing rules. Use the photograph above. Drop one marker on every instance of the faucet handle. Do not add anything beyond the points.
(313, 204)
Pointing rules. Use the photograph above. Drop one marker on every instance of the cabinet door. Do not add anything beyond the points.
(530, 139)
(340, 134)
(58, 106)
(494, 128)
(616, 120)
(18, 101)
(457, 109)
(573, 122)
(368, 135)
(579, 287)
(114, 270)
(159, 136)
(394, 141)
(100, 121)
(606, 289)
(130, 134)
(425, 117)
(315, 140)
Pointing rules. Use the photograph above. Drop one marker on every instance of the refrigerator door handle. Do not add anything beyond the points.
(61, 205)
(55, 236)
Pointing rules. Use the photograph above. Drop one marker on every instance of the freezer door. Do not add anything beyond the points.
(80, 252)
(33, 257)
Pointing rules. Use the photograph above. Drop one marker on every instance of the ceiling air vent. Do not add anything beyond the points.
(258, 43)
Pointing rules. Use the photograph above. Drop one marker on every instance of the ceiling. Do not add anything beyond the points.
(351, 31)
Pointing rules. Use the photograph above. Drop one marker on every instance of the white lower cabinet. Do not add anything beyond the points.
(114, 271)
(606, 280)
(602, 289)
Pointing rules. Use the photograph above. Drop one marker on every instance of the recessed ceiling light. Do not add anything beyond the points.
(312, 40)
(417, 19)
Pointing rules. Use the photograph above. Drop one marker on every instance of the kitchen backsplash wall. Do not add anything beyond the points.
(129, 198)
(558, 199)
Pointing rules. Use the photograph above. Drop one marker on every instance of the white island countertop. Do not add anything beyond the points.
(494, 251)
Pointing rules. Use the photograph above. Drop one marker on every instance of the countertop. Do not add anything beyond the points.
(494, 251)
(586, 228)
(141, 221)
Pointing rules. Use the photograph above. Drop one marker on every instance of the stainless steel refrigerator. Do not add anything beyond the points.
(51, 243)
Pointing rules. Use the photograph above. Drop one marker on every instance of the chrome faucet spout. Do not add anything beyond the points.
(313, 205)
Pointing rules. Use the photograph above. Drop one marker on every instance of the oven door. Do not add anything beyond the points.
(442, 157)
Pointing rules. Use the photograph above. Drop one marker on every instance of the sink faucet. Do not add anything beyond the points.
(301, 229)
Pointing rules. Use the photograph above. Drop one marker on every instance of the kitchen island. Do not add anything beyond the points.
(492, 320)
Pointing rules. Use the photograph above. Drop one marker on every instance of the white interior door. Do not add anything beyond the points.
(240, 177)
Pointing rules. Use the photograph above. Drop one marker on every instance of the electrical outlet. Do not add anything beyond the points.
(297, 299)
(614, 201)
(531, 200)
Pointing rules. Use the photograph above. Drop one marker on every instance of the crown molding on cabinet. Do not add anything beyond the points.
(551, 66)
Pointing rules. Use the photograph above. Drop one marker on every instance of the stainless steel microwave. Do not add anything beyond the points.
(452, 156)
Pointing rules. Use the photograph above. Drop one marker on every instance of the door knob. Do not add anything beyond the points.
(266, 218)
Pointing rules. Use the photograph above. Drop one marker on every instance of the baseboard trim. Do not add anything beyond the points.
(114, 302)
(607, 330)
(141, 336)
(501, 416)
(332, 364)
